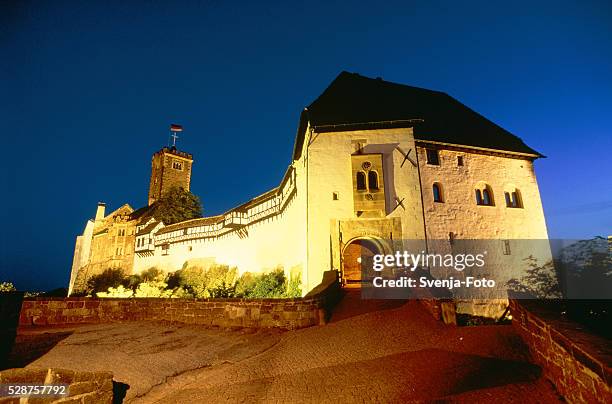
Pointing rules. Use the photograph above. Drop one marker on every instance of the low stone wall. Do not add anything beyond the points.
(256, 313)
(83, 387)
(579, 364)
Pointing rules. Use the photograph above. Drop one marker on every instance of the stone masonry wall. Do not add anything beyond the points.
(256, 313)
(578, 363)
(278, 313)
(83, 387)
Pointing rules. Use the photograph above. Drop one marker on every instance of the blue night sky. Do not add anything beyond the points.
(89, 90)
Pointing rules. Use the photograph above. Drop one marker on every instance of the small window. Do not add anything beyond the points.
(373, 180)
(433, 157)
(335, 196)
(506, 247)
(479, 197)
(437, 193)
(484, 196)
(190, 248)
(177, 165)
(513, 199)
(361, 181)
(460, 160)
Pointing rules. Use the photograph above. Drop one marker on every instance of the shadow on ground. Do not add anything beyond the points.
(352, 305)
(29, 347)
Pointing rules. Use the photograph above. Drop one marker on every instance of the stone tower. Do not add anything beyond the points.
(169, 167)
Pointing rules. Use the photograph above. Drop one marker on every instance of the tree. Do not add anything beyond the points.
(177, 205)
(109, 278)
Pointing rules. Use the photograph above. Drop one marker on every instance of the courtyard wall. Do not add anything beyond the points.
(578, 363)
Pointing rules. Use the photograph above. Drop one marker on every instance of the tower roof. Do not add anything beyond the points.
(353, 101)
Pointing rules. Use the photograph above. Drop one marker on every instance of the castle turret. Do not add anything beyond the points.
(169, 168)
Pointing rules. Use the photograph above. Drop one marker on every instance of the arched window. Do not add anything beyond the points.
(361, 181)
(478, 197)
(373, 180)
(437, 192)
(484, 195)
(513, 199)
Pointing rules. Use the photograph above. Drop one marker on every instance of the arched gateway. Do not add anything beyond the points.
(358, 254)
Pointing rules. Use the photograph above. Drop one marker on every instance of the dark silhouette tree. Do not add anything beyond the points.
(176, 205)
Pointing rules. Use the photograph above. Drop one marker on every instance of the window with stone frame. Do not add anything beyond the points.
(437, 192)
(513, 199)
(484, 196)
(433, 157)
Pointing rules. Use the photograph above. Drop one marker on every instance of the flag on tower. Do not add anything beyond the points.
(176, 128)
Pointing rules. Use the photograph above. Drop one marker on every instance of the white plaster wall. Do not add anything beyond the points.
(486, 227)
(329, 170)
(460, 213)
(272, 242)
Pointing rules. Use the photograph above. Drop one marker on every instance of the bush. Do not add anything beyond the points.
(268, 285)
(192, 280)
(119, 291)
(110, 278)
(217, 281)
(293, 288)
(7, 287)
(221, 281)
(153, 289)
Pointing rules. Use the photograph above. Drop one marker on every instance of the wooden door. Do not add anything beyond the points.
(357, 260)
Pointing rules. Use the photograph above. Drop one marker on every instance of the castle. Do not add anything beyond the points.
(373, 161)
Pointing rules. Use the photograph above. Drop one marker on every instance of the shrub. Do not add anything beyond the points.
(217, 281)
(293, 287)
(153, 289)
(267, 285)
(193, 280)
(221, 281)
(181, 293)
(119, 291)
(7, 287)
(110, 278)
(245, 284)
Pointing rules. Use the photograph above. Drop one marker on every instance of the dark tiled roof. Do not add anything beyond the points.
(143, 213)
(355, 101)
(191, 223)
(147, 229)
